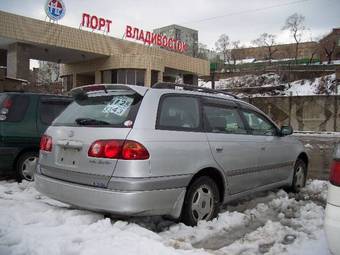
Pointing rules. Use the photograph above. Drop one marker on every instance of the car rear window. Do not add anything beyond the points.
(50, 108)
(117, 109)
(2, 98)
(14, 107)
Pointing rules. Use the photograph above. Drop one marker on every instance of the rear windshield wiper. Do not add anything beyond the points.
(89, 121)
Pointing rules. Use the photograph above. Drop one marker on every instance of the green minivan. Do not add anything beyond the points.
(24, 117)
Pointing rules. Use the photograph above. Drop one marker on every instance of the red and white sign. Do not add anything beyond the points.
(155, 39)
(102, 24)
(94, 22)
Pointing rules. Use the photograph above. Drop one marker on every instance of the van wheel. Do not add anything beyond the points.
(202, 201)
(25, 166)
(300, 176)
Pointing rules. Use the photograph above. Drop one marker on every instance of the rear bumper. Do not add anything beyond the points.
(131, 203)
(332, 227)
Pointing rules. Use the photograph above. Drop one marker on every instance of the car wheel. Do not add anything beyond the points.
(25, 166)
(202, 201)
(300, 176)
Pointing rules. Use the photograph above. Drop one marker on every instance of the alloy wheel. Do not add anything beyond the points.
(28, 168)
(202, 203)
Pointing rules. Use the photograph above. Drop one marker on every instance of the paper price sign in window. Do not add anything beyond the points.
(118, 105)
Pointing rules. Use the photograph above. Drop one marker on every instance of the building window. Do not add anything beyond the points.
(107, 76)
(124, 76)
(339, 42)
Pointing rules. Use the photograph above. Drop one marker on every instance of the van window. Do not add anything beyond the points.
(220, 119)
(179, 113)
(50, 109)
(101, 110)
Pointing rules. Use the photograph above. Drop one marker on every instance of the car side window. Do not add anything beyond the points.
(179, 113)
(258, 124)
(219, 119)
(50, 109)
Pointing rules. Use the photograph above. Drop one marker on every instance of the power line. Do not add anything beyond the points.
(245, 11)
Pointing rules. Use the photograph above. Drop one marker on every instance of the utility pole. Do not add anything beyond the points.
(213, 79)
(213, 67)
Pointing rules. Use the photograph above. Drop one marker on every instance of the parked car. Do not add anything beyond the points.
(24, 117)
(171, 150)
(332, 215)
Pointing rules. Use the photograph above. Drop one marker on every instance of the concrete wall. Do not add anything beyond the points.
(303, 113)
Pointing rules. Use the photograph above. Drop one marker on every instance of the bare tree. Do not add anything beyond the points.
(233, 52)
(328, 45)
(49, 72)
(268, 41)
(222, 46)
(295, 24)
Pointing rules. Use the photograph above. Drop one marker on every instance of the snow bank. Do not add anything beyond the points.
(324, 85)
(272, 222)
(321, 85)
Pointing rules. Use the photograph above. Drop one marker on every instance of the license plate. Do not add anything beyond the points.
(68, 157)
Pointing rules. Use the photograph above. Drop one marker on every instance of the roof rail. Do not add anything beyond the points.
(169, 85)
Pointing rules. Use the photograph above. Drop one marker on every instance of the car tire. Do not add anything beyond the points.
(25, 166)
(202, 201)
(300, 176)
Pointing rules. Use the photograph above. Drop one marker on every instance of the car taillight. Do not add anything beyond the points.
(118, 149)
(7, 103)
(46, 143)
(106, 149)
(334, 177)
(5, 107)
(133, 150)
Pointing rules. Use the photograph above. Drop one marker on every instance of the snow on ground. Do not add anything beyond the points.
(317, 133)
(321, 85)
(324, 85)
(250, 80)
(273, 222)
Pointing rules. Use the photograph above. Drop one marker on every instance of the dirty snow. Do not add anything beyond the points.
(273, 222)
(324, 85)
(321, 85)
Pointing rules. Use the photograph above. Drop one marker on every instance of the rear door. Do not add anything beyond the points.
(99, 116)
(232, 147)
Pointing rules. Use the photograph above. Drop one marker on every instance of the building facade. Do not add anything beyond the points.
(89, 57)
(184, 34)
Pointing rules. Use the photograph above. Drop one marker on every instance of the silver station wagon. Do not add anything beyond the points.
(174, 150)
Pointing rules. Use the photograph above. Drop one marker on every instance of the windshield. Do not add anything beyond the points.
(117, 110)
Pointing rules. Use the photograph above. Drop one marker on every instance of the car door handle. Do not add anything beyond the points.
(263, 148)
(219, 149)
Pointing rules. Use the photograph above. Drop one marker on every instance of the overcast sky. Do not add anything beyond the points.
(241, 20)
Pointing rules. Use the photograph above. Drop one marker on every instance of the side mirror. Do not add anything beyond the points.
(286, 130)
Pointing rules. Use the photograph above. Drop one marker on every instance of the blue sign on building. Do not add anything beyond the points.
(55, 9)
